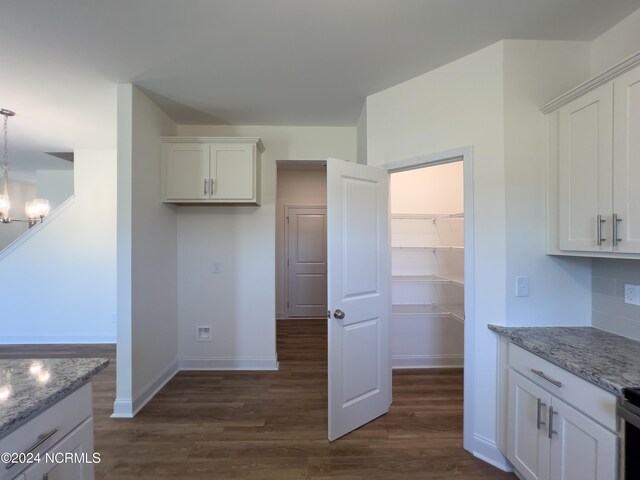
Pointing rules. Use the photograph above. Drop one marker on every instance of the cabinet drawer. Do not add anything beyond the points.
(586, 397)
(62, 417)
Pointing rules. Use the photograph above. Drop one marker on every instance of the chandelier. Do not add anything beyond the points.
(35, 210)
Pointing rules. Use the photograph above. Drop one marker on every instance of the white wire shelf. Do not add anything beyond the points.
(425, 216)
(427, 248)
(455, 311)
(452, 279)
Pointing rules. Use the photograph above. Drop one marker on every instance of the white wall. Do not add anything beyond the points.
(294, 187)
(458, 105)
(147, 259)
(479, 101)
(54, 185)
(437, 189)
(565, 64)
(59, 286)
(240, 301)
(617, 43)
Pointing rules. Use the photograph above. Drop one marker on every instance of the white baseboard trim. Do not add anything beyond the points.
(153, 387)
(487, 450)
(127, 408)
(232, 363)
(427, 361)
(122, 408)
(57, 340)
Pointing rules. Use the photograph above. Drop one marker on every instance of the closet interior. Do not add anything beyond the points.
(427, 238)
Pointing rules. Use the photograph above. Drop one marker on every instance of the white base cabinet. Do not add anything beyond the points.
(211, 170)
(549, 438)
(62, 439)
(71, 459)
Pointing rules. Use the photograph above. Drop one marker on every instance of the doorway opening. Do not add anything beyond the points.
(427, 266)
(465, 156)
(464, 216)
(301, 240)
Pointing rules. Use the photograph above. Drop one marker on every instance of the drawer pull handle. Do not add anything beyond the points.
(616, 220)
(539, 421)
(541, 374)
(41, 439)
(552, 412)
(599, 222)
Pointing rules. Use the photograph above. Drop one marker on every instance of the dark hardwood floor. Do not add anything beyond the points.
(272, 425)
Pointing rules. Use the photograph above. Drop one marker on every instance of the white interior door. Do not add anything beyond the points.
(358, 295)
(307, 261)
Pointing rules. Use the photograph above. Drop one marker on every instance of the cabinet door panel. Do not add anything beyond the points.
(527, 446)
(626, 160)
(187, 171)
(585, 170)
(581, 449)
(233, 172)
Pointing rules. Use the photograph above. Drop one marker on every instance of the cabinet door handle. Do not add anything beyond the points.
(41, 439)
(205, 186)
(539, 421)
(552, 412)
(599, 222)
(213, 186)
(615, 222)
(541, 374)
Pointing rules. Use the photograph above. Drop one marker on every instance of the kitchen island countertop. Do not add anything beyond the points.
(30, 386)
(610, 361)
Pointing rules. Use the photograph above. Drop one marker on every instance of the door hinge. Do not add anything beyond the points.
(287, 305)
(287, 218)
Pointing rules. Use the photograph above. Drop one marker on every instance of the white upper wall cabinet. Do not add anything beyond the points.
(211, 170)
(594, 166)
(626, 160)
(585, 170)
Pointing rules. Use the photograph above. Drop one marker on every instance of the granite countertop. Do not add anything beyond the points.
(610, 361)
(30, 386)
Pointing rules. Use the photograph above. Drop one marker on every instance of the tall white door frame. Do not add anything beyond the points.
(466, 155)
(287, 211)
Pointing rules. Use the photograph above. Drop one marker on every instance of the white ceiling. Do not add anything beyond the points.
(260, 62)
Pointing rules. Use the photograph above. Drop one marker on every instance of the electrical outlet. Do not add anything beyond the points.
(632, 294)
(203, 333)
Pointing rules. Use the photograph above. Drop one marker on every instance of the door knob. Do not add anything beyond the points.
(339, 314)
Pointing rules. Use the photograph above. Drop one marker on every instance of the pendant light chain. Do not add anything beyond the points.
(5, 153)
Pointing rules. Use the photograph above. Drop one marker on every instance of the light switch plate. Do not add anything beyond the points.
(522, 286)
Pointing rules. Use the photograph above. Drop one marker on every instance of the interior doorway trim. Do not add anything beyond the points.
(285, 256)
(471, 443)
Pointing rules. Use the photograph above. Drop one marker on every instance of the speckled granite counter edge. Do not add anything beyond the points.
(589, 376)
(47, 402)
